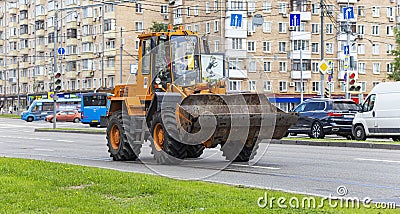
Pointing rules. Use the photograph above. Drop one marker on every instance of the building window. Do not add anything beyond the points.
(267, 85)
(282, 47)
(300, 45)
(252, 85)
(216, 46)
(282, 66)
(375, 11)
(196, 28)
(315, 47)
(252, 66)
(375, 49)
(389, 48)
(314, 67)
(389, 67)
(267, 66)
(361, 10)
(361, 67)
(267, 46)
(390, 30)
(376, 68)
(164, 9)
(196, 10)
(267, 8)
(297, 86)
(375, 30)
(316, 86)
(251, 46)
(282, 86)
(329, 48)
(314, 28)
(267, 27)
(138, 26)
(109, 24)
(215, 5)
(329, 28)
(315, 8)
(361, 49)
(208, 26)
(188, 11)
(216, 26)
(282, 7)
(237, 44)
(207, 7)
(235, 85)
(282, 27)
(390, 11)
(361, 29)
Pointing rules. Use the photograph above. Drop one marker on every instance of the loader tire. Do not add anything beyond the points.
(230, 151)
(118, 145)
(165, 147)
(194, 151)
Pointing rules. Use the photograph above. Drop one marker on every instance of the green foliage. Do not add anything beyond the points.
(395, 75)
(158, 27)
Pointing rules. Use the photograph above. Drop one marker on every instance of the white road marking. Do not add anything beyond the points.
(46, 150)
(376, 160)
(256, 167)
(37, 138)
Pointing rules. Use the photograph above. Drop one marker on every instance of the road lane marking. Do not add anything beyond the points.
(376, 160)
(256, 167)
(46, 150)
(37, 138)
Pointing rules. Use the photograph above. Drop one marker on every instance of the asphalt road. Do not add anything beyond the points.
(301, 169)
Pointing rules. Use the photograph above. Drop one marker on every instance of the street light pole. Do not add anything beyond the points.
(347, 57)
(18, 90)
(322, 45)
(120, 56)
(55, 68)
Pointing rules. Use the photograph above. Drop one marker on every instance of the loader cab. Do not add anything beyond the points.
(169, 58)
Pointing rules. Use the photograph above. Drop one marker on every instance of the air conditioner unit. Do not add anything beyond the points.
(360, 36)
(391, 19)
(292, 28)
(249, 13)
(12, 79)
(249, 33)
(94, 19)
(166, 17)
(284, 15)
(92, 73)
(94, 36)
(292, 84)
(78, 23)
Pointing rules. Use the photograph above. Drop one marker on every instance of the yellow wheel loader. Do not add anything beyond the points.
(180, 115)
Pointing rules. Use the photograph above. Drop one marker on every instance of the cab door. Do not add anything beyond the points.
(369, 115)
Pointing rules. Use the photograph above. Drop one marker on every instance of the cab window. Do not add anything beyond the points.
(369, 103)
(146, 49)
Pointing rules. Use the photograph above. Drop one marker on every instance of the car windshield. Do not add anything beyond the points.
(345, 105)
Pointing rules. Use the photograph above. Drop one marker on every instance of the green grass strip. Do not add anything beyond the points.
(30, 186)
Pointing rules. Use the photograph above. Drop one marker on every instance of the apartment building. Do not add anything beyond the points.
(89, 31)
(266, 58)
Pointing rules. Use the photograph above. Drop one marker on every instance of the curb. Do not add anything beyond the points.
(338, 144)
(71, 131)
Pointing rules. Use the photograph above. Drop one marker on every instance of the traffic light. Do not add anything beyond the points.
(353, 86)
(57, 82)
(327, 93)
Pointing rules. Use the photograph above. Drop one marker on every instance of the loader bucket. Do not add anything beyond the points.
(246, 117)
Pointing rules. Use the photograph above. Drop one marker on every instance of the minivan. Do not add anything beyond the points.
(380, 113)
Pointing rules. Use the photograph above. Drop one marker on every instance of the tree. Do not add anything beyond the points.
(395, 75)
(158, 27)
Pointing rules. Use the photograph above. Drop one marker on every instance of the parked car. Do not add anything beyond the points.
(65, 116)
(319, 117)
(380, 113)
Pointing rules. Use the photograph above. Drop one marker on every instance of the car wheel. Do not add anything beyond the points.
(76, 120)
(317, 131)
(349, 137)
(396, 138)
(30, 119)
(359, 133)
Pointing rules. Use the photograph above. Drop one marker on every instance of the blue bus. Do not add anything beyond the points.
(39, 109)
(94, 109)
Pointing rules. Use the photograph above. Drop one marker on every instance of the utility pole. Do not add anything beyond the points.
(18, 90)
(322, 45)
(301, 75)
(347, 57)
(120, 56)
(5, 53)
(102, 45)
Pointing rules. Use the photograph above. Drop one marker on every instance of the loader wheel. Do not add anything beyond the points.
(194, 151)
(165, 147)
(117, 142)
(230, 151)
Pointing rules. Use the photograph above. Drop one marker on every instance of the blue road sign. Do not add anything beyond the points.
(294, 20)
(346, 50)
(348, 12)
(61, 51)
(236, 20)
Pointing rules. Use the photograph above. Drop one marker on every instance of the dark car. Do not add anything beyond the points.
(319, 117)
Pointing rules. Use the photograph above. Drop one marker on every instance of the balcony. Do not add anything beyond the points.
(71, 41)
(345, 1)
(23, 6)
(24, 36)
(87, 21)
(72, 57)
(24, 51)
(40, 48)
(1, 82)
(298, 35)
(343, 37)
(110, 52)
(23, 22)
(109, 15)
(40, 32)
(12, 53)
(41, 18)
(72, 24)
(111, 34)
(39, 78)
(87, 74)
(71, 74)
(24, 64)
(109, 71)
(87, 38)
(13, 10)
(306, 54)
(296, 75)
(23, 80)
(241, 74)
(304, 16)
(87, 55)
(1, 42)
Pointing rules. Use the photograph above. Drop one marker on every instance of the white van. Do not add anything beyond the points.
(380, 113)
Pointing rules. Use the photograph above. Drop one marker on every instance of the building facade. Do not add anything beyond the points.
(261, 56)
